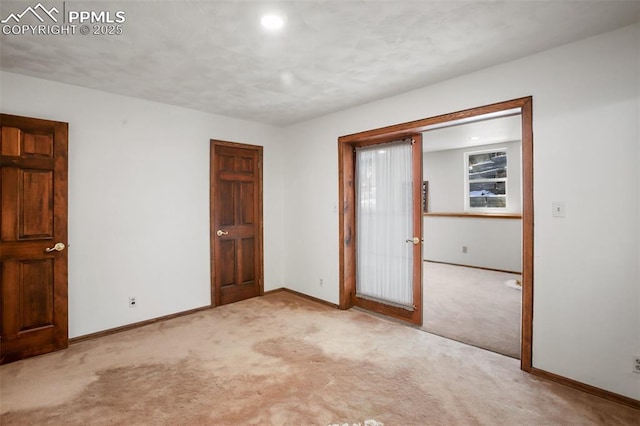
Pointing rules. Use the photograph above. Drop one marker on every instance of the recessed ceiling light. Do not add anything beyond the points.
(272, 22)
(474, 138)
(286, 77)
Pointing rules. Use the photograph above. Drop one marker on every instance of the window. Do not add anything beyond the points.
(486, 179)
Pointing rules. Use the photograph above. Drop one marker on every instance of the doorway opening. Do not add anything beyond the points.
(472, 212)
(348, 200)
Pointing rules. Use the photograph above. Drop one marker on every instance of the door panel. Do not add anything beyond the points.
(38, 145)
(34, 218)
(236, 222)
(225, 203)
(36, 200)
(247, 268)
(246, 204)
(227, 263)
(36, 296)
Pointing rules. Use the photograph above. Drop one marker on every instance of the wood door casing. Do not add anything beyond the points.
(236, 222)
(33, 181)
(347, 201)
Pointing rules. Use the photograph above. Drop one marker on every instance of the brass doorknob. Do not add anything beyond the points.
(414, 240)
(57, 247)
(220, 233)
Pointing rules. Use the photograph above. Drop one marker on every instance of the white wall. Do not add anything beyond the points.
(139, 199)
(585, 110)
(491, 243)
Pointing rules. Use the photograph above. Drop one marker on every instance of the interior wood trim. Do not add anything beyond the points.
(477, 215)
(302, 295)
(391, 311)
(471, 266)
(407, 129)
(346, 145)
(416, 154)
(526, 350)
(347, 248)
(611, 396)
(134, 325)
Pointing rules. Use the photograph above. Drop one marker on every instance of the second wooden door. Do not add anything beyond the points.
(236, 222)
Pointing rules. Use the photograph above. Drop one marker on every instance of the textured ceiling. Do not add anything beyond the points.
(214, 56)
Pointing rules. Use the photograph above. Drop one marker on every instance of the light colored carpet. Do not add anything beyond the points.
(473, 306)
(284, 360)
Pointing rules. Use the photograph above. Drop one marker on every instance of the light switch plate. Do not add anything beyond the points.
(558, 209)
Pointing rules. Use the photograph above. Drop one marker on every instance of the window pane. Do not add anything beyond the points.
(487, 202)
(487, 189)
(488, 165)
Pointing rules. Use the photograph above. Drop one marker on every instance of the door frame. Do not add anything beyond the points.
(212, 215)
(347, 216)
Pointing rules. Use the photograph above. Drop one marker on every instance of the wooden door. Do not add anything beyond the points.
(411, 313)
(33, 258)
(236, 222)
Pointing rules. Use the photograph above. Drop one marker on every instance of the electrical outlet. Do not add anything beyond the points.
(132, 302)
(636, 364)
(464, 249)
(321, 282)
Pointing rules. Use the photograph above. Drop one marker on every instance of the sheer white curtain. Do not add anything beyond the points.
(384, 223)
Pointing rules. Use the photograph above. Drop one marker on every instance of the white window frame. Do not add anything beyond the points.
(467, 204)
